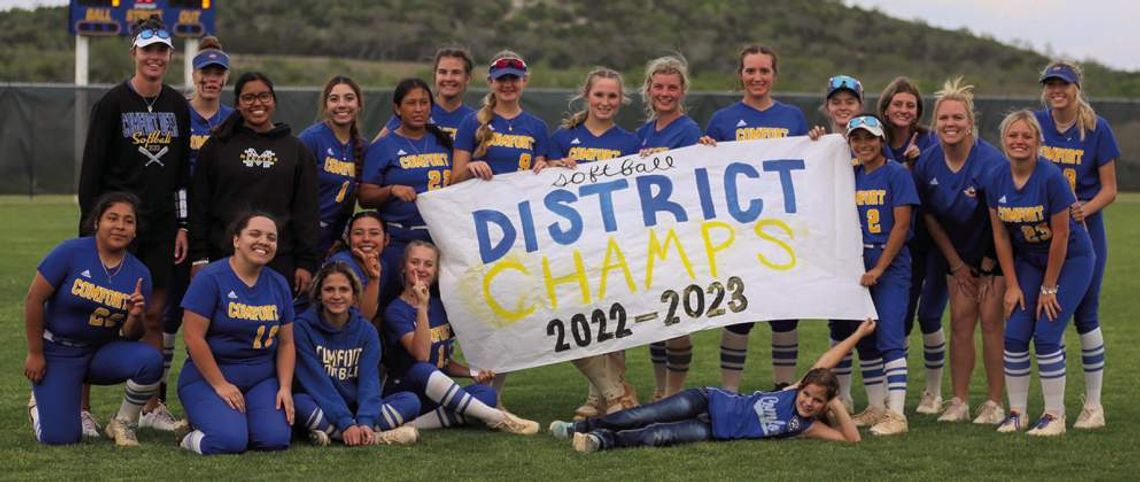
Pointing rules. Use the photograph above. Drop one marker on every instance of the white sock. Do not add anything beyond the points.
(1016, 366)
(934, 354)
(438, 418)
(133, 400)
(498, 383)
(874, 382)
(896, 385)
(785, 350)
(450, 396)
(1051, 369)
(193, 441)
(1092, 360)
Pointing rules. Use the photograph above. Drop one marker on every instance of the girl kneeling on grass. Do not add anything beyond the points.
(700, 414)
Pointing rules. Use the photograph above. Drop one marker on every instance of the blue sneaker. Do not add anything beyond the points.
(561, 430)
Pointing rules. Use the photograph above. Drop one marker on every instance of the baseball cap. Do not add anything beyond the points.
(866, 122)
(150, 36)
(505, 66)
(209, 57)
(844, 82)
(1064, 72)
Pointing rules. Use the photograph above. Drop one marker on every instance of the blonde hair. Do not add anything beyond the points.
(486, 113)
(955, 89)
(669, 64)
(577, 118)
(1086, 116)
(1023, 115)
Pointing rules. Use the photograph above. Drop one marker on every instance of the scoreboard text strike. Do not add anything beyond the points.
(184, 18)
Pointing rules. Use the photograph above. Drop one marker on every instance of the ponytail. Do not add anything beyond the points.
(1086, 116)
(484, 133)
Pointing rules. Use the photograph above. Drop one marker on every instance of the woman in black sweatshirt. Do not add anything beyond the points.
(250, 163)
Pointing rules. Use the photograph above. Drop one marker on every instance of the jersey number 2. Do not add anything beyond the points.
(873, 225)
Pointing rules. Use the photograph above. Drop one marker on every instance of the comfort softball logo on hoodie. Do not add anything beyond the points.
(266, 159)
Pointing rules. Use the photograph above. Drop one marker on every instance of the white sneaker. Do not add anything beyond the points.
(402, 435)
(892, 423)
(160, 419)
(990, 413)
(1011, 424)
(930, 404)
(1048, 425)
(586, 443)
(90, 427)
(122, 432)
(1092, 416)
(870, 416)
(511, 423)
(956, 411)
(320, 438)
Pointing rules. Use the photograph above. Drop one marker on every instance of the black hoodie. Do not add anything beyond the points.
(245, 170)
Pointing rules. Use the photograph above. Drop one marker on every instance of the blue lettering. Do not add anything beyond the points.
(652, 203)
(785, 168)
(732, 195)
(707, 207)
(529, 238)
(557, 203)
(605, 192)
(487, 251)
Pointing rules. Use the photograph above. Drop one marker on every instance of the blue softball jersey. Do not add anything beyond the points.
(244, 320)
(759, 415)
(400, 319)
(340, 367)
(1026, 212)
(877, 194)
(957, 199)
(90, 302)
(421, 164)
(923, 142)
(514, 142)
(742, 122)
(682, 132)
(448, 121)
(336, 174)
(1080, 160)
(200, 128)
(579, 144)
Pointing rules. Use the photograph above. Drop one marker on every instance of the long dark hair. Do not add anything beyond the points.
(342, 243)
(225, 130)
(354, 131)
(105, 202)
(404, 88)
(329, 269)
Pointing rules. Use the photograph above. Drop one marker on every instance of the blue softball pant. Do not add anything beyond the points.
(1072, 285)
(58, 394)
(890, 296)
(228, 431)
(1087, 315)
(395, 410)
(415, 381)
(928, 295)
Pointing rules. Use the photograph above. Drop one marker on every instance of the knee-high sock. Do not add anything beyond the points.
(785, 350)
(453, 398)
(873, 381)
(934, 352)
(896, 384)
(1051, 367)
(842, 373)
(733, 352)
(1092, 360)
(658, 356)
(498, 383)
(1017, 369)
(134, 398)
(678, 363)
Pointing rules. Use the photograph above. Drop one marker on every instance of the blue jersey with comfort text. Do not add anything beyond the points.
(759, 415)
(422, 164)
(514, 142)
(682, 132)
(336, 174)
(90, 302)
(1079, 160)
(399, 320)
(448, 121)
(957, 199)
(244, 320)
(742, 122)
(877, 194)
(1026, 212)
(200, 128)
(339, 367)
(579, 144)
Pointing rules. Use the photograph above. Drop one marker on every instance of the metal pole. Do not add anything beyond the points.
(81, 80)
(188, 63)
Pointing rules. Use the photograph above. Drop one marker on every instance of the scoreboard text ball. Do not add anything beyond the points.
(183, 18)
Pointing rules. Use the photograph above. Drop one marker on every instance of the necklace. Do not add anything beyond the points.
(413, 146)
(150, 103)
(111, 272)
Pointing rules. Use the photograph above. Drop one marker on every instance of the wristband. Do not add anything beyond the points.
(200, 262)
(1049, 291)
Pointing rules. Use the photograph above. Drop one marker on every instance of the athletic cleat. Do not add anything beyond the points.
(627, 400)
(956, 411)
(33, 414)
(870, 416)
(893, 423)
(320, 438)
(122, 432)
(990, 413)
(592, 408)
(181, 430)
(1011, 424)
(1048, 425)
(159, 419)
(560, 429)
(1092, 416)
(402, 435)
(930, 404)
(586, 443)
(90, 426)
(512, 423)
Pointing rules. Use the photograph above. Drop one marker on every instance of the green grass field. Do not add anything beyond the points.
(929, 451)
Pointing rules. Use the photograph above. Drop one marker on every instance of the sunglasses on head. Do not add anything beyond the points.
(844, 82)
(508, 63)
(864, 121)
(147, 34)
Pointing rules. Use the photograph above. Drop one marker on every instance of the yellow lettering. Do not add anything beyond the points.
(613, 250)
(753, 133)
(337, 166)
(578, 275)
(520, 310)
(710, 248)
(656, 250)
(759, 230)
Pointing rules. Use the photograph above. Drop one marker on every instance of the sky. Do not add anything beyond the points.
(1079, 29)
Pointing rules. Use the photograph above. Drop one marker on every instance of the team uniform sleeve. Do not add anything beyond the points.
(55, 266)
(374, 164)
(541, 138)
(919, 176)
(100, 132)
(465, 133)
(201, 195)
(398, 321)
(801, 128)
(713, 130)
(690, 135)
(1060, 195)
(313, 380)
(201, 296)
(555, 150)
(393, 123)
(305, 218)
(1106, 150)
(368, 383)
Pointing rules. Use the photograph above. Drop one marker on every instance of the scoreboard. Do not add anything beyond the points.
(183, 18)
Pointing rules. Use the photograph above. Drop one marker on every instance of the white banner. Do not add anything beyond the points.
(538, 269)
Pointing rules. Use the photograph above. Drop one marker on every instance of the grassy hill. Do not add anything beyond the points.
(300, 42)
